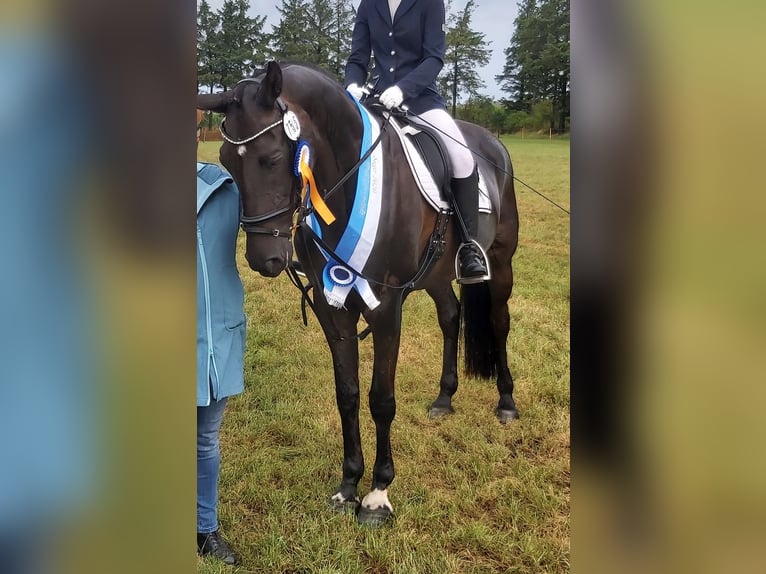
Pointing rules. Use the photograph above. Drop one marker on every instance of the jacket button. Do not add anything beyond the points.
(390, 34)
(393, 52)
(390, 69)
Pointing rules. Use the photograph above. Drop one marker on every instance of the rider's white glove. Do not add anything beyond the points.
(355, 91)
(392, 97)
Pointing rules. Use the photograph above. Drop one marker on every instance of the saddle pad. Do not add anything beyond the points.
(428, 187)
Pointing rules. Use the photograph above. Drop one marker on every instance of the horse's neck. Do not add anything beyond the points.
(337, 148)
(342, 134)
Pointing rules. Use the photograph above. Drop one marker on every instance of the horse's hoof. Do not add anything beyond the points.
(344, 506)
(506, 415)
(439, 412)
(374, 518)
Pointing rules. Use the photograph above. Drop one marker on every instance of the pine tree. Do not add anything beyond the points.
(343, 12)
(320, 21)
(207, 52)
(517, 76)
(466, 52)
(314, 31)
(241, 41)
(537, 61)
(289, 38)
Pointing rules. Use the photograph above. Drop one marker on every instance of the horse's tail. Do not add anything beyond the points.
(478, 336)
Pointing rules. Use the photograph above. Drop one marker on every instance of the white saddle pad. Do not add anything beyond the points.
(423, 177)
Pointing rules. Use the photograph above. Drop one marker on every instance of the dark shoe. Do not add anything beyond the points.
(472, 268)
(214, 545)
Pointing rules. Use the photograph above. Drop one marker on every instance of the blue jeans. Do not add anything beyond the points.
(208, 462)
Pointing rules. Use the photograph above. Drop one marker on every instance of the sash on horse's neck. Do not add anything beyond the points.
(358, 238)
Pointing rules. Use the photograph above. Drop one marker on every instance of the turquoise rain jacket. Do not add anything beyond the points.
(220, 296)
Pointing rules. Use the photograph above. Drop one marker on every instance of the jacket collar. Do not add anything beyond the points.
(382, 6)
(403, 8)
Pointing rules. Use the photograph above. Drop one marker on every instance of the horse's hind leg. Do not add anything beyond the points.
(500, 287)
(448, 312)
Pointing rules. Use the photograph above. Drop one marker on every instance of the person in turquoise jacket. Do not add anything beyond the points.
(220, 340)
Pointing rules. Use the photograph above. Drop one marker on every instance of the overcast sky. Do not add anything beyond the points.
(494, 18)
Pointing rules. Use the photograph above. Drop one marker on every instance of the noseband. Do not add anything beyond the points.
(249, 224)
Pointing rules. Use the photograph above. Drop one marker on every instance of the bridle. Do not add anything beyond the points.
(250, 224)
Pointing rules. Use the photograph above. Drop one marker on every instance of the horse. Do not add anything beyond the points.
(261, 116)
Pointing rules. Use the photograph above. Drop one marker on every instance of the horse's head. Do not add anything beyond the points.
(259, 155)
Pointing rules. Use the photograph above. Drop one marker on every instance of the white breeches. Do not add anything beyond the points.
(459, 155)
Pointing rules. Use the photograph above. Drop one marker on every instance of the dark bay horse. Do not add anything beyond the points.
(261, 160)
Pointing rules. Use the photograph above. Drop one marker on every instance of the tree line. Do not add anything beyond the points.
(535, 78)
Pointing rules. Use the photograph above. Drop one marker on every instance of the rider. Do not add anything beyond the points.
(407, 38)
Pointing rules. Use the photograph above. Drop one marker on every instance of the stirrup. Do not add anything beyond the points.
(478, 278)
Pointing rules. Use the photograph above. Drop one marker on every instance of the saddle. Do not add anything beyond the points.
(429, 162)
(428, 147)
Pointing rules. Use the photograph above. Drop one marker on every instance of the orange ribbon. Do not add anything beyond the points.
(316, 200)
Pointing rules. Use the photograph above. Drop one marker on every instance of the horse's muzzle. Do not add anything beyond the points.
(270, 267)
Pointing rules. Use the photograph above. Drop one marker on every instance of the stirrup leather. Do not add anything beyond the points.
(471, 280)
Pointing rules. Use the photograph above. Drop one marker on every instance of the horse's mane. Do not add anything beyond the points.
(308, 65)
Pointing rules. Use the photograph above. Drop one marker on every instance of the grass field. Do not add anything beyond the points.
(470, 495)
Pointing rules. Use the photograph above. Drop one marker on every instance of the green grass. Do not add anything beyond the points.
(470, 495)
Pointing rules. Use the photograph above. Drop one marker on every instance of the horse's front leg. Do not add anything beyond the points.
(386, 324)
(339, 326)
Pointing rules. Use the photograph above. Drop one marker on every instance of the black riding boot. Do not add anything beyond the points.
(473, 268)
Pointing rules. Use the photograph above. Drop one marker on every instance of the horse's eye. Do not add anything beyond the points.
(269, 161)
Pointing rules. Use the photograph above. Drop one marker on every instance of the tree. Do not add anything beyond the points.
(314, 31)
(241, 41)
(207, 48)
(477, 110)
(517, 76)
(537, 60)
(320, 22)
(289, 38)
(343, 12)
(498, 119)
(554, 57)
(466, 51)
(516, 120)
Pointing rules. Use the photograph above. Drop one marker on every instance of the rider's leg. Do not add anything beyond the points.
(465, 188)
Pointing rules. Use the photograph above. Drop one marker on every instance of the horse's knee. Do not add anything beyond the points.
(382, 407)
(348, 400)
(449, 317)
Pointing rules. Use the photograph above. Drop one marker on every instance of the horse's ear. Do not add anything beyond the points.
(215, 102)
(271, 86)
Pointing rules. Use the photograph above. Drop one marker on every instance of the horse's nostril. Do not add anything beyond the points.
(271, 267)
